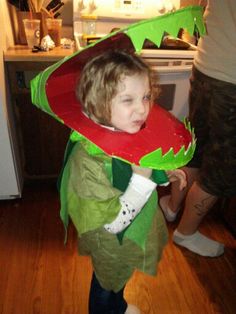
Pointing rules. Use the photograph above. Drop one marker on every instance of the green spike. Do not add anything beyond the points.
(169, 160)
(153, 29)
(151, 158)
(169, 156)
(137, 40)
(156, 37)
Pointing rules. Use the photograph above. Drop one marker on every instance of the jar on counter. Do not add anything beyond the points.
(54, 27)
(89, 24)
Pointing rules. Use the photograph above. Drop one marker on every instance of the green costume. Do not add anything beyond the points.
(88, 189)
(91, 200)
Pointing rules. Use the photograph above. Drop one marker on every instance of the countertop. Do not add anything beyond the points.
(23, 53)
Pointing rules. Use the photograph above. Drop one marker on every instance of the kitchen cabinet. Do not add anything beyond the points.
(41, 138)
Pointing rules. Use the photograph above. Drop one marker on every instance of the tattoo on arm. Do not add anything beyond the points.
(203, 207)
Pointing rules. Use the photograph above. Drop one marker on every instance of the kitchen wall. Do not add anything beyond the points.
(5, 26)
(6, 40)
(8, 146)
(67, 17)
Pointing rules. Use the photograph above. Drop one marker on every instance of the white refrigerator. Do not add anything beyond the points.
(11, 179)
(10, 172)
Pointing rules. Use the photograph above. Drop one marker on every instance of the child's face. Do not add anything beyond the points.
(131, 106)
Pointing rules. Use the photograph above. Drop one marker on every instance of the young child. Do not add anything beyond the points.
(115, 91)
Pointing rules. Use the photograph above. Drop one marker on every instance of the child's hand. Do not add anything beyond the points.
(177, 174)
(145, 172)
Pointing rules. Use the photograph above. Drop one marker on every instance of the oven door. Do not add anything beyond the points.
(173, 82)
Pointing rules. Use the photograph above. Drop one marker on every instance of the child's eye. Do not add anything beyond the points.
(147, 97)
(127, 100)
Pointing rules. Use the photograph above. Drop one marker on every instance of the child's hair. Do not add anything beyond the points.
(99, 82)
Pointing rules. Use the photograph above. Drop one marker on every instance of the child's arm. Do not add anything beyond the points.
(134, 198)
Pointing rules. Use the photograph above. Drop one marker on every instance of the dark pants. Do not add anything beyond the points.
(102, 301)
(212, 113)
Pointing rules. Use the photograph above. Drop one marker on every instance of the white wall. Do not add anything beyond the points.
(6, 39)
(6, 36)
(9, 180)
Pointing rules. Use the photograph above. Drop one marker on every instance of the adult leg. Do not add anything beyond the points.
(197, 205)
(213, 115)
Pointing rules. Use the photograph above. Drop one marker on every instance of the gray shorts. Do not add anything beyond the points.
(212, 107)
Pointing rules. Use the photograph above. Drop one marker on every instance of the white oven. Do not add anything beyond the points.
(172, 68)
(171, 71)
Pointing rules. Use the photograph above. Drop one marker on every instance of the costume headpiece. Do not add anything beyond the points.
(165, 142)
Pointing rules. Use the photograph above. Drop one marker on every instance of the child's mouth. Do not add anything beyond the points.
(139, 123)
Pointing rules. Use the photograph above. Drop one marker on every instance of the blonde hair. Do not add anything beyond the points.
(99, 80)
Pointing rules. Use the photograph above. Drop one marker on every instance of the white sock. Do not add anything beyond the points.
(169, 214)
(132, 309)
(199, 244)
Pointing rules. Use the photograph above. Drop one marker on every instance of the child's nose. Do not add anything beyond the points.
(141, 108)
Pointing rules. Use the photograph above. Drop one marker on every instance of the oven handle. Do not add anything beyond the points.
(172, 69)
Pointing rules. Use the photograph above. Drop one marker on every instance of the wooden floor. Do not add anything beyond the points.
(39, 275)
